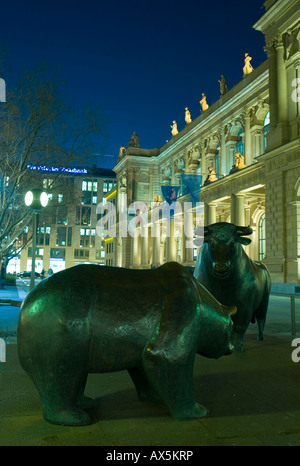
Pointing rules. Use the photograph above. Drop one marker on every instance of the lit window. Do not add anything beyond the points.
(266, 128)
(84, 186)
(60, 197)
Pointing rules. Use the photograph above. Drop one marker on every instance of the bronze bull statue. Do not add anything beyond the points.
(101, 319)
(225, 269)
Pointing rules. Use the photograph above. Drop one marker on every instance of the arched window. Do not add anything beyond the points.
(239, 147)
(261, 237)
(266, 128)
(217, 162)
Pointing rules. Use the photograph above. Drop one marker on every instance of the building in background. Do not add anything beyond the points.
(242, 152)
(66, 233)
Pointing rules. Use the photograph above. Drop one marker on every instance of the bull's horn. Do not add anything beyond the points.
(229, 310)
(244, 230)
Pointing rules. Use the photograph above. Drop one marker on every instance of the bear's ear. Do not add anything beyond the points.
(244, 241)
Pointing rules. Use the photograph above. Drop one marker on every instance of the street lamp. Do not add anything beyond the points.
(35, 199)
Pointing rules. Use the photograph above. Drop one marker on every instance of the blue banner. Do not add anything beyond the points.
(191, 184)
(170, 193)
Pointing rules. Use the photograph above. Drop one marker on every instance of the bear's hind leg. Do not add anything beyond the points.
(145, 390)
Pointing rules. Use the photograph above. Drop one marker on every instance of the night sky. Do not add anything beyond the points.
(143, 62)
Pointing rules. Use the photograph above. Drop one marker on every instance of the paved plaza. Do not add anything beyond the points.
(253, 398)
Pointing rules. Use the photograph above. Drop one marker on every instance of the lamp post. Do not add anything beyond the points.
(35, 199)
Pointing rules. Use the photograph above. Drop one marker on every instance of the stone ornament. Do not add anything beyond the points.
(248, 68)
(188, 118)
(203, 103)
(174, 128)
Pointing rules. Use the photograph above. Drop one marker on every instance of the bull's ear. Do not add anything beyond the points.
(244, 241)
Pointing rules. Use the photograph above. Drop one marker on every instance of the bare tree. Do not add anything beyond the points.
(37, 128)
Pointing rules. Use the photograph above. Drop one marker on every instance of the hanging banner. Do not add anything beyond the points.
(170, 193)
(191, 184)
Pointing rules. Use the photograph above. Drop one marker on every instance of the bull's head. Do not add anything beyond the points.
(224, 243)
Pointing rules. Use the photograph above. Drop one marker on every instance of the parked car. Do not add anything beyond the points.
(28, 275)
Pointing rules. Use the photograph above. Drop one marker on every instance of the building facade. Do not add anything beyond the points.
(245, 147)
(67, 227)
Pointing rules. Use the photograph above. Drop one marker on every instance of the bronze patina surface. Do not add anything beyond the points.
(225, 269)
(101, 319)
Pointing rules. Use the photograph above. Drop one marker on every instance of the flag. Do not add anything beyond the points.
(191, 184)
(169, 193)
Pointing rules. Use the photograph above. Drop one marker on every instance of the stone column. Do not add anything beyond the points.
(156, 244)
(223, 153)
(188, 237)
(272, 85)
(212, 213)
(240, 209)
(247, 139)
(135, 259)
(144, 247)
(281, 83)
(233, 208)
(297, 73)
(257, 142)
(171, 242)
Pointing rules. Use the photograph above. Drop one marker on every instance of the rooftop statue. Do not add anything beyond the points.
(174, 128)
(239, 161)
(248, 68)
(203, 103)
(188, 118)
(122, 152)
(134, 141)
(211, 177)
(91, 319)
(223, 86)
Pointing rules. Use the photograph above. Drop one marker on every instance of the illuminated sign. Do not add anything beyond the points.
(44, 168)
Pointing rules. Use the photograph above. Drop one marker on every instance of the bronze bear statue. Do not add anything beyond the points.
(90, 318)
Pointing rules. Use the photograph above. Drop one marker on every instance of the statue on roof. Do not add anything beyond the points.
(223, 86)
(248, 68)
(134, 141)
(188, 118)
(239, 161)
(174, 128)
(122, 152)
(203, 103)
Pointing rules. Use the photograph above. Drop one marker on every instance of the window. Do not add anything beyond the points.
(217, 162)
(261, 237)
(62, 215)
(61, 236)
(239, 147)
(69, 240)
(57, 253)
(60, 197)
(43, 236)
(83, 216)
(81, 253)
(266, 128)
